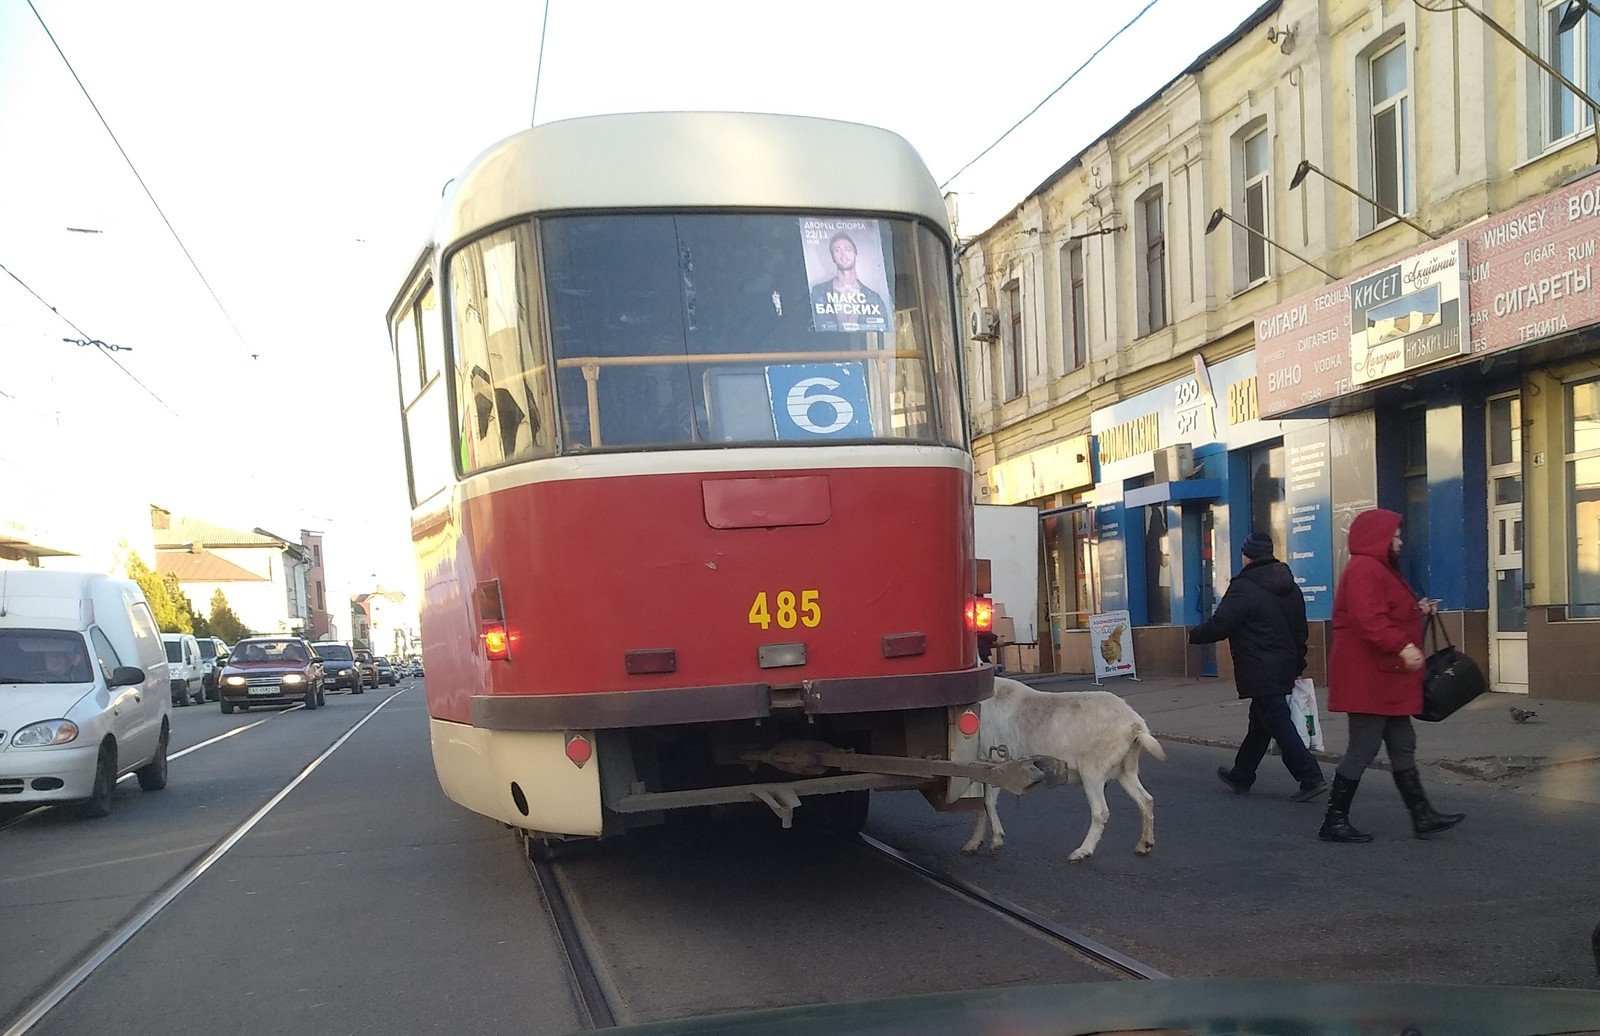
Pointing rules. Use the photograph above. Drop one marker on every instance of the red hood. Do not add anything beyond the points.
(1372, 533)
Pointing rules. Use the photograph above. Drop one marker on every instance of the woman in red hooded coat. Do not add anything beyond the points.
(1375, 675)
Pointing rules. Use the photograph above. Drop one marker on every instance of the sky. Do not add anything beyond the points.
(298, 151)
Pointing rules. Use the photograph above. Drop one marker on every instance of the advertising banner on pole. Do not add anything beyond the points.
(1111, 645)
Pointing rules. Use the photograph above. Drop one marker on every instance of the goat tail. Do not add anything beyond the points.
(1146, 740)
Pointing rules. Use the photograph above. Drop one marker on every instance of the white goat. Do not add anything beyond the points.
(1096, 733)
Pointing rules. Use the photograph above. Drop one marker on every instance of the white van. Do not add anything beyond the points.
(85, 692)
(185, 668)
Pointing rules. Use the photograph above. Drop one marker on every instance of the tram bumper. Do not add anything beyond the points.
(522, 778)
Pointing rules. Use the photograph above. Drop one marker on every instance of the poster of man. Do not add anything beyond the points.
(845, 266)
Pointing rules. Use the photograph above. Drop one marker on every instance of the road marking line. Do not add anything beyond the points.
(61, 990)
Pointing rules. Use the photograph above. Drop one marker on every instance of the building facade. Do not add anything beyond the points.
(1343, 261)
(262, 575)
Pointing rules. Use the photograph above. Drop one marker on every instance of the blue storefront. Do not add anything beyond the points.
(1185, 472)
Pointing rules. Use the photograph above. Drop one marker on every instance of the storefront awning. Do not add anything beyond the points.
(1174, 492)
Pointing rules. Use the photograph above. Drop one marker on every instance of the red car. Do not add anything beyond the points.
(271, 671)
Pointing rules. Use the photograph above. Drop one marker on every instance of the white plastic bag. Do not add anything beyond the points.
(1303, 710)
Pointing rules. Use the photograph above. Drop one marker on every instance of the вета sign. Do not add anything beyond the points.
(1528, 275)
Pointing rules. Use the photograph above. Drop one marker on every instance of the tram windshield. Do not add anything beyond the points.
(633, 331)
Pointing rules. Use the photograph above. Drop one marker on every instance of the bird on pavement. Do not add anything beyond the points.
(1522, 715)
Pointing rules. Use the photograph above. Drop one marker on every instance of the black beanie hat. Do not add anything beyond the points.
(1259, 545)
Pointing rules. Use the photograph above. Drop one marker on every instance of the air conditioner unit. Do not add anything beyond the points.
(1174, 463)
(985, 324)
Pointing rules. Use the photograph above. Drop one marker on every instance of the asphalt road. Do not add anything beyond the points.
(364, 901)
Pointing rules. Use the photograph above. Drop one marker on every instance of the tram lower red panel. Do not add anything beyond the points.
(591, 569)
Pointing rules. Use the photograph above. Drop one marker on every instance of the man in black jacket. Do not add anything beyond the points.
(1263, 619)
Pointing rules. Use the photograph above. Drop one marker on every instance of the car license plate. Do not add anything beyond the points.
(264, 690)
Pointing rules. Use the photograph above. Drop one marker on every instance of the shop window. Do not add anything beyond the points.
(1574, 53)
(1068, 538)
(1583, 499)
(1414, 555)
(1269, 513)
(1157, 566)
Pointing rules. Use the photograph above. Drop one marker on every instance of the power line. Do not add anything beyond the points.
(538, 73)
(1051, 94)
(102, 348)
(183, 247)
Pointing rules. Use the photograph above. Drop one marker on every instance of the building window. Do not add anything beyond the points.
(320, 605)
(1253, 169)
(316, 555)
(1075, 320)
(1391, 133)
(1414, 555)
(1583, 500)
(1570, 54)
(1153, 236)
(1011, 366)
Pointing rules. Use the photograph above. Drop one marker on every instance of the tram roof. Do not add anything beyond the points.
(694, 160)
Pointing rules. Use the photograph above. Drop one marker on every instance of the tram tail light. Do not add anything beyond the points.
(967, 723)
(980, 614)
(579, 749)
(496, 642)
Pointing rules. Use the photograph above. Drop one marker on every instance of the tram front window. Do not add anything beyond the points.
(679, 330)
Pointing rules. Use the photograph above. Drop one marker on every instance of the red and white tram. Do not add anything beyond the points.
(690, 473)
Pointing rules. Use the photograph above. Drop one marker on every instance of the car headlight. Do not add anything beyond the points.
(50, 732)
(293, 678)
(235, 681)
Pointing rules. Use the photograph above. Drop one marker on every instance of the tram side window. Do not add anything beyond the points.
(502, 379)
(426, 427)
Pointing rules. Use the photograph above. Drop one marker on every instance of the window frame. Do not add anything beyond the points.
(1552, 93)
(1013, 374)
(1248, 182)
(1570, 457)
(1154, 313)
(1075, 305)
(1398, 103)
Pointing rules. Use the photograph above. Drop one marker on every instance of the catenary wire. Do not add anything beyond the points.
(1048, 96)
(102, 349)
(183, 247)
(538, 69)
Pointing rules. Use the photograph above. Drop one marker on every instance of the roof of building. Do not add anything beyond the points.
(185, 531)
(203, 567)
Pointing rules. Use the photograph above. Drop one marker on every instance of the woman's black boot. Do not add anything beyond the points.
(1424, 820)
(1336, 823)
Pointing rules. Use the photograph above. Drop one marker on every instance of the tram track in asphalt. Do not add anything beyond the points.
(75, 974)
(1096, 952)
(603, 1006)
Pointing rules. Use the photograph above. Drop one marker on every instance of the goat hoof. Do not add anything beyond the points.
(1079, 856)
(1144, 849)
(970, 848)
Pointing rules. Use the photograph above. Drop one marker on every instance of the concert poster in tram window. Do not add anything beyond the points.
(812, 401)
(849, 274)
(1410, 314)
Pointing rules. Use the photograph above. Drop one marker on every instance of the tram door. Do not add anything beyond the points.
(1508, 624)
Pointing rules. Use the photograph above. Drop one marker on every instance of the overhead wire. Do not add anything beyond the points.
(538, 70)
(148, 193)
(101, 347)
(1086, 62)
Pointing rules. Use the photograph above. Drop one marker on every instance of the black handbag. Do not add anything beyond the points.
(1450, 678)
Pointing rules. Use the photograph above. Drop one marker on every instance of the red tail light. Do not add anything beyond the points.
(579, 750)
(980, 614)
(496, 643)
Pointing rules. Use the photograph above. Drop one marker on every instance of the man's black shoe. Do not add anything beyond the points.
(1225, 775)
(1308, 792)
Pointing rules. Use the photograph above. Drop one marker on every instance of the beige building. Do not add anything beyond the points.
(1211, 300)
(262, 575)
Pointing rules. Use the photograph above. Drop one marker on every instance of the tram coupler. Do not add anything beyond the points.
(813, 757)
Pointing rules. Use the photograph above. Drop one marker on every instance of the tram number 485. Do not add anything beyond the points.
(787, 610)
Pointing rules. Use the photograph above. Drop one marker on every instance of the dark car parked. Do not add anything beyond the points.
(271, 671)
(369, 668)
(341, 667)
(386, 671)
(213, 655)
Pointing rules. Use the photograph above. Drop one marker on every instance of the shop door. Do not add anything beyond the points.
(1508, 621)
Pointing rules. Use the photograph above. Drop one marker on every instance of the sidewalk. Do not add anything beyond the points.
(1555, 752)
